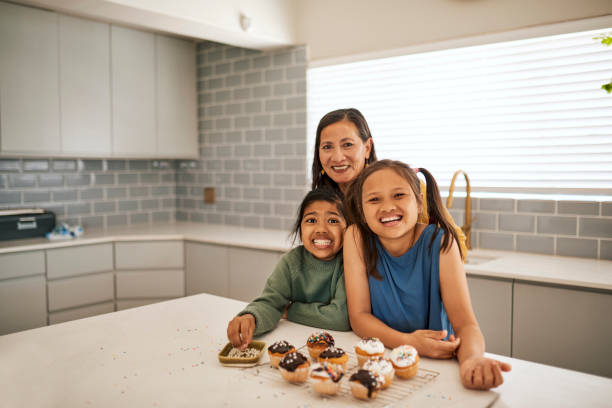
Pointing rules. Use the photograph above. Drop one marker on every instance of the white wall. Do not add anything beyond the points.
(337, 28)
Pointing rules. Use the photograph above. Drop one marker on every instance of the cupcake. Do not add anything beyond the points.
(294, 367)
(334, 355)
(405, 360)
(278, 350)
(367, 348)
(317, 342)
(383, 367)
(326, 378)
(365, 384)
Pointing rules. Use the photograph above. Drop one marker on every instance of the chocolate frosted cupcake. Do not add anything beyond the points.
(326, 378)
(334, 355)
(317, 342)
(278, 350)
(294, 367)
(365, 384)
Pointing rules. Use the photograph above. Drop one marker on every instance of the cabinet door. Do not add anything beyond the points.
(85, 86)
(29, 84)
(563, 327)
(492, 304)
(150, 284)
(81, 291)
(248, 271)
(81, 312)
(176, 98)
(133, 95)
(22, 264)
(23, 304)
(79, 260)
(206, 269)
(149, 255)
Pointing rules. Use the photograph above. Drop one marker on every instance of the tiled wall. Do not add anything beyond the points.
(568, 228)
(252, 121)
(92, 193)
(252, 139)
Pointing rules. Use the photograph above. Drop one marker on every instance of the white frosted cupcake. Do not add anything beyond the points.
(383, 367)
(367, 348)
(405, 360)
(326, 378)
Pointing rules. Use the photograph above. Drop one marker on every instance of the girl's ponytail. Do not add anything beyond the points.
(437, 214)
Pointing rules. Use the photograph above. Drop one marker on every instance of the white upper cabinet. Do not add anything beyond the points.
(133, 78)
(176, 98)
(84, 55)
(29, 91)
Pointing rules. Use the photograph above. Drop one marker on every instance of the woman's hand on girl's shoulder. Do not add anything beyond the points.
(482, 373)
(431, 343)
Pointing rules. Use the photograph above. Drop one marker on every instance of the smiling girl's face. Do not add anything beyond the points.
(342, 152)
(322, 230)
(390, 206)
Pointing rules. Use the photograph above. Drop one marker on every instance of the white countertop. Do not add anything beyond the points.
(581, 272)
(165, 355)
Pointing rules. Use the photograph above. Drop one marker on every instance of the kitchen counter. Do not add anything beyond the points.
(579, 272)
(166, 355)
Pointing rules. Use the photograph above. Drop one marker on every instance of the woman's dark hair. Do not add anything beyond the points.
(355, 117)
(437, 215)
(319, 194)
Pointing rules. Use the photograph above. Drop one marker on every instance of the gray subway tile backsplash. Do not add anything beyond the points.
(557, 225)
(584, 248)
(536, 244)
(595, 227)
(252, 145)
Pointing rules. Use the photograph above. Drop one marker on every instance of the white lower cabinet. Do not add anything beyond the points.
(150, 284)
(149, 270)
(23, 296)
(206, 269)
(563, 327)
(129, 304)
(81, 312)
(248, 271)
(23, 304)
(492, 304)
(80, 291)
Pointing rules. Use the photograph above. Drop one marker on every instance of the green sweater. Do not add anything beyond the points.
(314, 288)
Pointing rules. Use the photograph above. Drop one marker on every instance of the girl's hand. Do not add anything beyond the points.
(240, 330)
(481, 373)
(431, 343)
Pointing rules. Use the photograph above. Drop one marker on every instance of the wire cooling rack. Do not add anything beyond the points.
(399, 390)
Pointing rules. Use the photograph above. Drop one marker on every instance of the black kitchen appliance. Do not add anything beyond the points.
(25, 223)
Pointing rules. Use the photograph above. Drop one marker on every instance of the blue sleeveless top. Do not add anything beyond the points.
(408, 297)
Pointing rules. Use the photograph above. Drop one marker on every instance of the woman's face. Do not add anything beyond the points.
(342, 152)
(322, 230)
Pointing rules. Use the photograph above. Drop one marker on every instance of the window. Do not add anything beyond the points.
(525, 116)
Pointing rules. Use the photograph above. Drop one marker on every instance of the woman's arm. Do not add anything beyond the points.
(427, 342)
(476, 370)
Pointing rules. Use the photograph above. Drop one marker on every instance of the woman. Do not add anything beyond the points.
(343, 148)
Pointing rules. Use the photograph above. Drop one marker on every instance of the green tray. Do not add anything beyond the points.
(241, 361)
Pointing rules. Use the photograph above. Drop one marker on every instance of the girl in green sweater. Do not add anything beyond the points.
(307, 285)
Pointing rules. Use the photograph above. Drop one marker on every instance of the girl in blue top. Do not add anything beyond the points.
(405, 282)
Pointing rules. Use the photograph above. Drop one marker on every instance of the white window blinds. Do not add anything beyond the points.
(519, 116)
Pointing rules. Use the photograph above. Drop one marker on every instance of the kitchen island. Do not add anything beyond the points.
(165, 355)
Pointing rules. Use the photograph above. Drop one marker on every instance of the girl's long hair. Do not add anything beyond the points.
(355, 117)
(437, 215)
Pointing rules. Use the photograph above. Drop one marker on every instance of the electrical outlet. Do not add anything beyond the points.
(209, 195)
